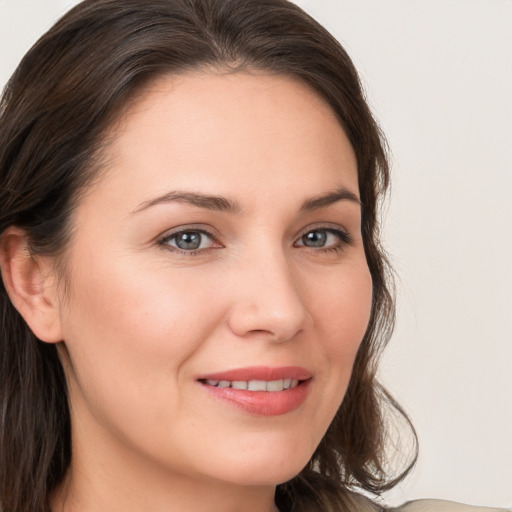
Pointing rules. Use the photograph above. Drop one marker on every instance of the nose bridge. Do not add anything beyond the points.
(269, 299)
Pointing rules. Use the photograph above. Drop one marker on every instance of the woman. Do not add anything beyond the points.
(194, 292)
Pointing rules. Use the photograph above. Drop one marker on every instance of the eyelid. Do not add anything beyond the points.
(343, 234)
(168, 235)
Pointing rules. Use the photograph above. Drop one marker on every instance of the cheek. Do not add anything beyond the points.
(342, 309)
(341, 315)
(150, 308)
(130, 334)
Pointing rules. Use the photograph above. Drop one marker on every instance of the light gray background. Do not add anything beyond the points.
(438, 74)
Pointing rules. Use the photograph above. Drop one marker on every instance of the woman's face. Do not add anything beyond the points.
(221, 250)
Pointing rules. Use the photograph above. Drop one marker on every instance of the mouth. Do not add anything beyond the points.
(255, 385)
(260, 391)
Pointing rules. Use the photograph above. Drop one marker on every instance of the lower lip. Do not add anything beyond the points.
(262, 403)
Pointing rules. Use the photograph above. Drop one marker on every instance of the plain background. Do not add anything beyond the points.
(438, 74)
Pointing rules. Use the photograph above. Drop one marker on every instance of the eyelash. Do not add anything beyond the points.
(164, 241)
(345, 239)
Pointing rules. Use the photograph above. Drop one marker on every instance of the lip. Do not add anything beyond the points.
(261, 403)
(260, 373)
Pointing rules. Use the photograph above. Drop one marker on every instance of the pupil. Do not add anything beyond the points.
(188, 241)
(314, 238)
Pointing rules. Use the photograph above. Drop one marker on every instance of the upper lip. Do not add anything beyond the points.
(266, 373)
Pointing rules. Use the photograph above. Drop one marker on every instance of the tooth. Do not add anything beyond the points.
(275, 385)
(287, 383)
(212, 382)
(257, 385)
(239, 384)
(224, 384)
(294, 383)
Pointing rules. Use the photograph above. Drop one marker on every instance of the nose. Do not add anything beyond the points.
(268, 300)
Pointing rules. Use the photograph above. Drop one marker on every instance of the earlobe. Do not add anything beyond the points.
(31, 284)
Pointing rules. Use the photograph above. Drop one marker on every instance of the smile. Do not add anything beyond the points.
(261, 391)
(255, 385)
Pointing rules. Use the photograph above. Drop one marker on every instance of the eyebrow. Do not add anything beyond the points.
(324, 200)
(223, 204)
(216, 203)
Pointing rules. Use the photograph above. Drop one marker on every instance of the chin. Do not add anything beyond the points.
(263, 466)
(261, 475)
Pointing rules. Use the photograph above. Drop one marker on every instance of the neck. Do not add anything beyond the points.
(109, 478)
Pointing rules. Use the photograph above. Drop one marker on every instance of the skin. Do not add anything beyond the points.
(142, 319)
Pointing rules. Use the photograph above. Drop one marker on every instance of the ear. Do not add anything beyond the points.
(31, 284)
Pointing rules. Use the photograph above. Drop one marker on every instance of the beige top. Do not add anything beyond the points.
(362, 504)
(443, 506)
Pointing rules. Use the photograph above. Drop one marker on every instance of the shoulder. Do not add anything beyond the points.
(441, 506)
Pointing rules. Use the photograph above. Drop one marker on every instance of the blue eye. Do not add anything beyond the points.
(323, 238)
(189, 240)
(315, 238)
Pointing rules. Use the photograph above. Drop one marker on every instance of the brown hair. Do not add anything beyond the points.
(54, 114)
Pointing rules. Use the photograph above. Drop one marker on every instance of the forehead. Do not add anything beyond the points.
(234, 133)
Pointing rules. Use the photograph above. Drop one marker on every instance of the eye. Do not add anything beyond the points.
(324, 238)
(189, 240)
